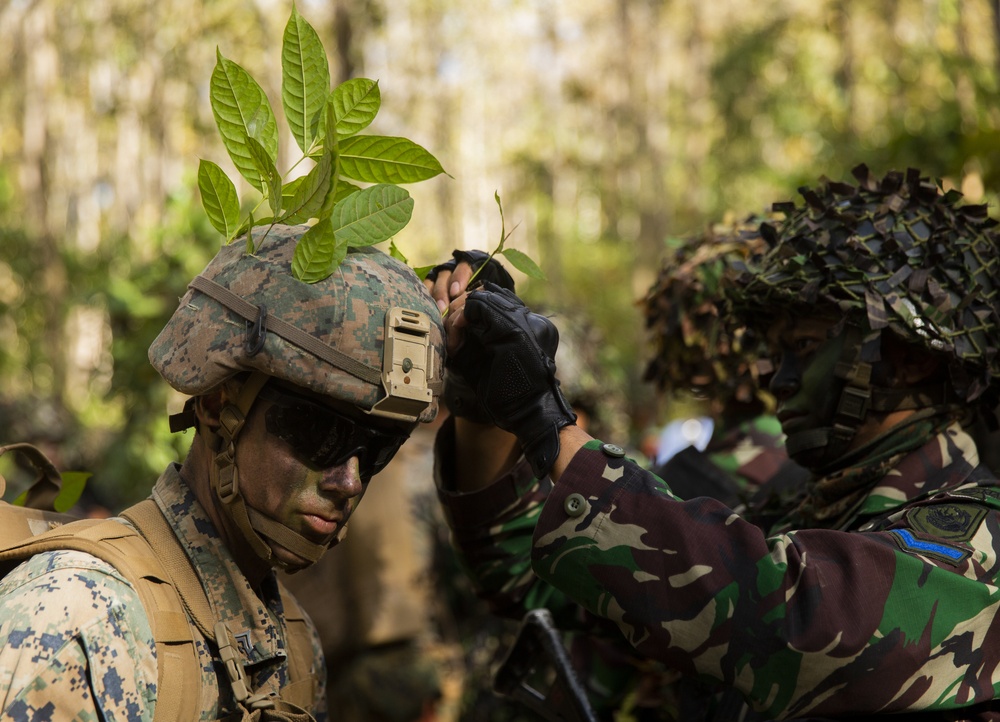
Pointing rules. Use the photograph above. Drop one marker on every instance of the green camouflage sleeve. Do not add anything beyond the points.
(74, 643)
(810, 623)
(491, 532)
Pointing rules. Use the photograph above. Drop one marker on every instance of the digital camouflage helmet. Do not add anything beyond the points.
(697, 344)
(368, 335)
(895, 253)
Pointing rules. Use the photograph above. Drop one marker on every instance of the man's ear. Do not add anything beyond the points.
(207, 409)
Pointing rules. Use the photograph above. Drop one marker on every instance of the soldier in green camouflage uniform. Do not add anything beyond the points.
(877, 593)
(294, 410)
(701, 353)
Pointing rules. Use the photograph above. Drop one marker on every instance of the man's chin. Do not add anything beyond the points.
(288, 561)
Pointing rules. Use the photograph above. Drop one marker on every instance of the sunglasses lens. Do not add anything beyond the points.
(324, 438)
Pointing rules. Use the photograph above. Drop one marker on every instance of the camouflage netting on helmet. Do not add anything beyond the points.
(697, 345)
(205, 343)
(897, 253)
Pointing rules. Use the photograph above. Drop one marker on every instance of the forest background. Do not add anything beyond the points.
(606, 127)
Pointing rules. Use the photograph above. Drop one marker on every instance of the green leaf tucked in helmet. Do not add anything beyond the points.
(324, 123)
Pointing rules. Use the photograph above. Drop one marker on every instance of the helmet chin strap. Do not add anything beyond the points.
(857, 398)
(225, 482)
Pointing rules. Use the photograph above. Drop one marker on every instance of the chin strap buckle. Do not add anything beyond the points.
(232, 662)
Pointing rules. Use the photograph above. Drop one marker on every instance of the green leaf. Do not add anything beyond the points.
(355, 104)
(396, 253)
(218, 196)
(246, 228)
(272, 179)
(372, 215)
(331, 146)
(305, 79)
(73, 483)
(523, 263)
(242, 111)
(422, 271)
(318, 253)
(385, 159)
(308, 192)
(344, 189)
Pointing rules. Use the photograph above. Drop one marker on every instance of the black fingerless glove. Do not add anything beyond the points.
(507, 358)
(458, 395)
(493, 273)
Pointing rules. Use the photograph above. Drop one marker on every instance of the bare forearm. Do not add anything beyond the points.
(482, 454)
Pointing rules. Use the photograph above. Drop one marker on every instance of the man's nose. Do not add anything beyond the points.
(787, 378)
(344, 480)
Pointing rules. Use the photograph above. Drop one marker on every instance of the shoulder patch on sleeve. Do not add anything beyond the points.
(909, 542)
(947, 522)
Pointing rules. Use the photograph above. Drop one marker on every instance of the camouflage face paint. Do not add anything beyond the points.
(804, 384)
(275, 482)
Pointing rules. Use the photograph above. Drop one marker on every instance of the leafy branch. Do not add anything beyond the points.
(518, 259)
(325, 124)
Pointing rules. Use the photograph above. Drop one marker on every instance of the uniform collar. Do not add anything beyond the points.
(254, 619)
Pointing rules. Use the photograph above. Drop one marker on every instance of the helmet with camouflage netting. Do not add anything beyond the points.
(897, 253)
(698, 346)
(369, 335)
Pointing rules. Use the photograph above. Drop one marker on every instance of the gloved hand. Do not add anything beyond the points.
(458, 396)
(493, 273)
(507, 358)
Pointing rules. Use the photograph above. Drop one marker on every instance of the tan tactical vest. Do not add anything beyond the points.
(151, 558)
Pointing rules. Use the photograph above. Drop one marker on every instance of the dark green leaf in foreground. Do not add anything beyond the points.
(219, 198)
(318, 253)
(372, 215)
(305, 80)
(386, 159)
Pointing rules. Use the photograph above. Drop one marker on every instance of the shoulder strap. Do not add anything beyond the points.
(156, 531)
(120, 546)
(301, 689)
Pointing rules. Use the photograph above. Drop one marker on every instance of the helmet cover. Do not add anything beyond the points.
(698, 345)
(206, 342)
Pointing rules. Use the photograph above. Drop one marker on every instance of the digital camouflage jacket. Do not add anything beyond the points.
(894, 614)
(75, 642)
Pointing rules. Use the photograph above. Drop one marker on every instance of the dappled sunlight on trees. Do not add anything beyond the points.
(605, 126)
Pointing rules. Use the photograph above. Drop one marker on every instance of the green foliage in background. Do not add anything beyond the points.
(666, 119)
(325, 125)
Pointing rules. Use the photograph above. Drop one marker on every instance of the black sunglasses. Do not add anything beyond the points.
(324, 438)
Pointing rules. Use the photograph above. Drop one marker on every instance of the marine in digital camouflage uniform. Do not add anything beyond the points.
(876, 594)
(294, 411)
